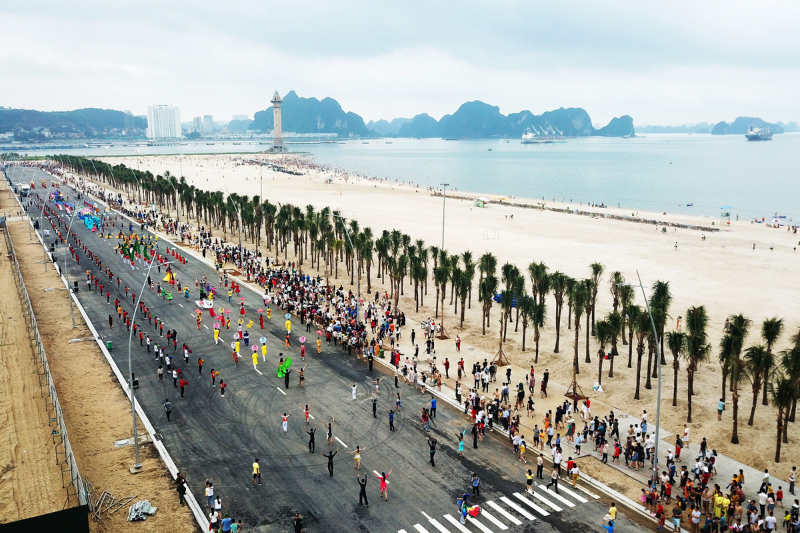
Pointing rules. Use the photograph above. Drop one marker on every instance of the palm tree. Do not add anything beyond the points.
(537, 318)
(579, 298)
(697, 347)
(463, 286)
(526, 306)
(757, 359)
(597, 273)
(616, 282)
(676, 340)
(727, 352)
(469, 272)
(737, 372)
(626, 299)
(487, 265)
(782, 392)
(603, 332)
(558, 282)
(486, 292)
(790, 360)
(441, 276)
(660, 300)
(615, 322)
(591, 288)
(770, 331)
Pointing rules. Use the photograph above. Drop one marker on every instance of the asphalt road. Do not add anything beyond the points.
(216, 438)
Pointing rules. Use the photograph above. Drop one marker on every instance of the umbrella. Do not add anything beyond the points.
(319, 332)
(302, 339)
(255, 347)
(236, 336)
(227, 311)
(242, 299)
(260, 310)
(287, 316)
(233, 346)
(263, 340)
(221, 310)
(267, 299)
(216, 325)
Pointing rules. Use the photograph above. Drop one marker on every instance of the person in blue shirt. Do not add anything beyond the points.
(226, 522)
(476, 486)
(433, 406)
(609, 527)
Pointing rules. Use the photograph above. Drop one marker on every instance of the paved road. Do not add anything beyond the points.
(216, 438)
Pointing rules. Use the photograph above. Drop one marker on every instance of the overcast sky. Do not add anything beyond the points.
(661, 62)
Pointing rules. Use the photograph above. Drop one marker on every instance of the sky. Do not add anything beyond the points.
(662, 62)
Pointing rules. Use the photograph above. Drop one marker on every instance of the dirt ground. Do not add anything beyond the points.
(96, 410)
(29, 475)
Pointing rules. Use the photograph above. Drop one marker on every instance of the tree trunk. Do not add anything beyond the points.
(575, 366)
(753, 408)
(794, 408)
(648, 384)
(724, 379)
(600, 367)
(483, 320)
(765, 380)
(436, 314)
(462, 312)
(778, 440)
(735, 435)
(558, 328)
(524, 328)
(690, 379)
(589, 326)
(630, 347)
(611, 366)
(536, 336)
(675, 367)
(640, 353)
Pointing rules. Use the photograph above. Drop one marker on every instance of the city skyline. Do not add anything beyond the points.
(662, 64)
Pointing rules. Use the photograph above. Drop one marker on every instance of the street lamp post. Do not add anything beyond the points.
(658, 350)
(444, 198)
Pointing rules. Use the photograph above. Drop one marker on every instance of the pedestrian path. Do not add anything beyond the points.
(507, 511)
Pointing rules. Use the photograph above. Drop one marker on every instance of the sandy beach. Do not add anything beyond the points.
(723, 271)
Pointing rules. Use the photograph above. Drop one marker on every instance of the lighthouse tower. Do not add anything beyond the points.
(277, 142)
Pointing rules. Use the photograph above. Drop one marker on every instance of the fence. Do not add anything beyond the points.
(76, 490)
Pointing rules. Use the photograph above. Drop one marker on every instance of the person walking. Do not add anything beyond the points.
(256, 472)
(329, 427)
(168, 409)
(553, 480)
(311, 443)
(362, 495)
(183, 384)
(330, 456)
(285, 422)
(354, 389)
(181, 488)
(391, 419)
(476, 485)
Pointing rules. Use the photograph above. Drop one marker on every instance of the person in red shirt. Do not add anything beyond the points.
(222, 386)
(183, 384)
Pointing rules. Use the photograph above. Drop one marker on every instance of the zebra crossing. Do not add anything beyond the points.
(508, 511)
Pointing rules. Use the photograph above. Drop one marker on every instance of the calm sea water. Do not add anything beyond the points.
(656, 172)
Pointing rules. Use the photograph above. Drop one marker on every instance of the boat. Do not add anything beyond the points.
(690, 205)
(757, 134)
(543, 136)
(488, 149)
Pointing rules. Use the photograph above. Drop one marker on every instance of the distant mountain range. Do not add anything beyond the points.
(28, 124)
(384, 127)
(737, 127)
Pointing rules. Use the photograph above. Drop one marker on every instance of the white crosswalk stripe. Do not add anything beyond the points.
(574, 494)
(557, 496)
(517, 508)
(420, 528)
(485, 514)
(505, 514)
(544, 500)
(530, 504)
(438, 525)
(456, 524)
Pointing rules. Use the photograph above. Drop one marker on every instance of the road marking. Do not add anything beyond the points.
(511, 518)
(545, 501)
(205, 326)
(517, 508)
(259, 371)
(485, 514)
(426, 515)
(180, 304)
(530, 504)
(278, 388)
(456, 524)
(557, 496)
(312, 418)
(420, 528)
(402, 531)
(343, 444)
(574, 495)
(438, 525)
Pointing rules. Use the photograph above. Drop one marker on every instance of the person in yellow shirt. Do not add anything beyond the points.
(269, 312)
(612, 511)
(255, 360)
(237, 348)
(289, 327)
(718, 499)
(264, 352)
(256, 472)
(319, 345)
(216, 336)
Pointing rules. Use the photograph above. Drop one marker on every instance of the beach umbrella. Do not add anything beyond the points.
(263, 340)
(302, 340)
(287, 316)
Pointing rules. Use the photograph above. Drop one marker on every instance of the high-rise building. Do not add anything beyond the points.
(163, 122)
(208, 124)
(197, 124)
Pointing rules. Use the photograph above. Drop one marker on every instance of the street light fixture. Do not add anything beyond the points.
(658, 350)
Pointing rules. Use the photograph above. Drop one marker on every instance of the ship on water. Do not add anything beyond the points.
(543, 136)
(757, 134)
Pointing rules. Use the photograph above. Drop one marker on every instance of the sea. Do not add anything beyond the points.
(674, 173)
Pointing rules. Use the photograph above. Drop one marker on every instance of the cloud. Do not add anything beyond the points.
(660, 62)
